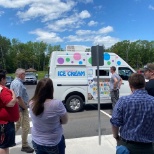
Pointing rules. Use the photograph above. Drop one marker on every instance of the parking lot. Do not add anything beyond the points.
(85, 123)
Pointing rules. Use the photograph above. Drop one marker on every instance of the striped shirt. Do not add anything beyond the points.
(20, 90)
(134, 114)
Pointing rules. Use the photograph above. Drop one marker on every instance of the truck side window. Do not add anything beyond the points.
(103, 72)
(124, 72)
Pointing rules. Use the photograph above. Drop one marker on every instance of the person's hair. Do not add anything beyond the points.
(44, 90)
(113, 68)
(2, 74)
(137, 81)
(19, 71)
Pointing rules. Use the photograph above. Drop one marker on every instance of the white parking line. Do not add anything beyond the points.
(106, 113)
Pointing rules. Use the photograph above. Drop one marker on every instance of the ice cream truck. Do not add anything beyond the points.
(75, 79)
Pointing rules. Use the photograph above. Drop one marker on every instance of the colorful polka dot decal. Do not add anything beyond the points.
(106, 56)
(77, 56)
(68, 59)
(79, 59)
(60, 60)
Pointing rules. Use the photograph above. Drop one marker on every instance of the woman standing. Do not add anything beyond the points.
(47, 116)
(9, 113)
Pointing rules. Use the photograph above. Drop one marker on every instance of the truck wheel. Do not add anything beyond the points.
(74, 103)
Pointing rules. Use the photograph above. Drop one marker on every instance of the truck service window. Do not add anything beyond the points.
(103, 72)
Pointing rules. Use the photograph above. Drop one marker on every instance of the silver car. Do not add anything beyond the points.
(30, 78)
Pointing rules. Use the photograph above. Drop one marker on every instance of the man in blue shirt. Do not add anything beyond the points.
(23, 98)
(133, 118)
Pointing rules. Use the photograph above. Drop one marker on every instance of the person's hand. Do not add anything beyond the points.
(117, 137)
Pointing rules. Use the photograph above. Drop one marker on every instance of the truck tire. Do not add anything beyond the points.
(74, 103)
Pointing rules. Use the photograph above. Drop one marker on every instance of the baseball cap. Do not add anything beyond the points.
(149, 67)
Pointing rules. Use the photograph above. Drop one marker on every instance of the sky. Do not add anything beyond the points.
(77, 22)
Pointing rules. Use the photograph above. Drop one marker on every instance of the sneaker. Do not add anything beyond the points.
(27, 149)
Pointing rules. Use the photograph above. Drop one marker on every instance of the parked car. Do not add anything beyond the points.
(9, 79)
(30, 78)
(46, 76)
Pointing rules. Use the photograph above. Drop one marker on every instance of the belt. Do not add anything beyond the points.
(137, 143)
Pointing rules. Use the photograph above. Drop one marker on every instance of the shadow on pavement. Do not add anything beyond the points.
(95, 107)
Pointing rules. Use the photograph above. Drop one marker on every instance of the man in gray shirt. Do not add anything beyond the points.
(115, 83)
(22, 96)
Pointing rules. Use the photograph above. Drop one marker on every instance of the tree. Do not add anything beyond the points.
(4, 48)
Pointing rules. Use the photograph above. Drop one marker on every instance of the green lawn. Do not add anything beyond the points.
(40, 74)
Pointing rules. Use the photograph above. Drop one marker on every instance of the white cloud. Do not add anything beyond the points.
(1, 12)
(47, 10)
(58, 16)
(99, 7)
(97, 37)
(46, 36)
(151, 7)
(85, 32)
(92, 23)
(84, 14)
(14, 3)
(86, 1)
(107, 41)
(105, 30)
(69, 22)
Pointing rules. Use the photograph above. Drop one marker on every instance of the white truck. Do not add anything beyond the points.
(75, 79)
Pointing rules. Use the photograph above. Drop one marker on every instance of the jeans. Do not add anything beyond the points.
(137, 149)
(114, 97)
(57, 149)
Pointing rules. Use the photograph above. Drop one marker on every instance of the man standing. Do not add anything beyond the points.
(21, 93)
(132, 118)
(149, 75)
(115, 83)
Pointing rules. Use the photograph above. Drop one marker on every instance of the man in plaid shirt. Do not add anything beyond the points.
(133, 118)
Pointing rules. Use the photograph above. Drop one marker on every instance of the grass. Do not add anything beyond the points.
(41, 74)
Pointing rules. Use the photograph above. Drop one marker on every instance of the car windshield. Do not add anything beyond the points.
(29, 73)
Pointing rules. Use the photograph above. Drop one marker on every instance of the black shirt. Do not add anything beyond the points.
(150, 87)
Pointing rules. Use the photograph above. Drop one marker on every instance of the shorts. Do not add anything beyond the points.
(9, 131)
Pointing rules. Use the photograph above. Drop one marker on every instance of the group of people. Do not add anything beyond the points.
(47, 116)
(133, 115)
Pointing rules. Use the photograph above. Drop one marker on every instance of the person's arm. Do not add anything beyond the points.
(120, 83)
(115, 83)
(13, 101)
(115, 131)
(21, 103)
(64, 119)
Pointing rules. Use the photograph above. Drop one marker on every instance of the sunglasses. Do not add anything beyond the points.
(146, 68)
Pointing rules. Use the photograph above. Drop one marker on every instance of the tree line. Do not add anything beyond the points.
(15, 54)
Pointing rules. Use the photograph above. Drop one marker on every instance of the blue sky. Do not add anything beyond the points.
(77, 22)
